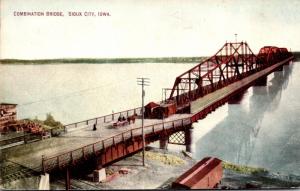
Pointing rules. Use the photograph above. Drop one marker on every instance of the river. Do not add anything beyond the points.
(262, 130)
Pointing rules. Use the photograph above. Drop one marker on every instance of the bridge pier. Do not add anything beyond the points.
(237, 98)
(98, 162)
(261, 81)
(163, 142)
(188, 138)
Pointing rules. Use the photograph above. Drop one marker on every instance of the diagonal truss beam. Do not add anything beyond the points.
(231, 62)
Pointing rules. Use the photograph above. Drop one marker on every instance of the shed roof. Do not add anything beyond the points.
(8, 104)
(151, 105)
(198, 171)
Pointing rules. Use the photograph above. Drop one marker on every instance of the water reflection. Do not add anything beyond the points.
(238, 138)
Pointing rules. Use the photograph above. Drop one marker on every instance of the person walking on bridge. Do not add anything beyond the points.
(94, 127)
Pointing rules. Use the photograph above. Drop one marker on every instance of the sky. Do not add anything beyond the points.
(144, 28)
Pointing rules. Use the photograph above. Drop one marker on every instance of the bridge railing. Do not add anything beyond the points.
(103, 119)
(73, 156)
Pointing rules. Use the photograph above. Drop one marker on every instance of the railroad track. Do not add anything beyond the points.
(11, 171)
(79, 185)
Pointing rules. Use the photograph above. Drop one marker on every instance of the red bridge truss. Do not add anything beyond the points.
(231, 63)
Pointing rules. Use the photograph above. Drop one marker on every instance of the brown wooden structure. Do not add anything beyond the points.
(149, 110)
(206, 174)
(8, 115)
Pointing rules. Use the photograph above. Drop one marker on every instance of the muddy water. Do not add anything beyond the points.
(262, 130)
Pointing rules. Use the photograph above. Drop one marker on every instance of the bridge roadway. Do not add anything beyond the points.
(80, 140)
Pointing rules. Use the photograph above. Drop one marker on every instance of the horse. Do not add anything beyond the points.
(131, 118)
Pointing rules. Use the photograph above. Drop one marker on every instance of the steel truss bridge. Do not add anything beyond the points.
(196, 92)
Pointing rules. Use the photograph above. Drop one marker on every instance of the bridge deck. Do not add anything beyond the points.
(82, 139)
(219, 94)
(29, 155)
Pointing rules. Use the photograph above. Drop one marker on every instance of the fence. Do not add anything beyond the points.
(22, 139)
(103, 119)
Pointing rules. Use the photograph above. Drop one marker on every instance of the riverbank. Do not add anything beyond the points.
(163, 167)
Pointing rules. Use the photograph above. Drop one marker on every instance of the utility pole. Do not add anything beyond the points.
(143, 82)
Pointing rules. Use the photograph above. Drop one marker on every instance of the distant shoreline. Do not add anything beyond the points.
(104, 60)
(111, 60)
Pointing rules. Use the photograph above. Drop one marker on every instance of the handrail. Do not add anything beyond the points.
(136, 110)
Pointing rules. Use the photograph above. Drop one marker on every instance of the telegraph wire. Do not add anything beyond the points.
(70, 94)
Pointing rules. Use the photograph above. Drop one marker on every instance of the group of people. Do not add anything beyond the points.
(121, 118)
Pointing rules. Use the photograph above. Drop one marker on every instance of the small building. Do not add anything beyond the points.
(159, 111)
(8, 114)
(164, 110)
(149, 109)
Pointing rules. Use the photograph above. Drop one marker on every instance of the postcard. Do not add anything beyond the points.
(149, 94)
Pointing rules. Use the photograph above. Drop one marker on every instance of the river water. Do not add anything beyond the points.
(262, 130)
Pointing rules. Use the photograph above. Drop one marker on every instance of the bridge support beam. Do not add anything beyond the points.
(98, 162)
(237, 98)
(287, 63)
(261, 81)
(188, 138)
(280, 68)
(163, 142)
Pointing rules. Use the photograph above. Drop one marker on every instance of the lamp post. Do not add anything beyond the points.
(143, 82)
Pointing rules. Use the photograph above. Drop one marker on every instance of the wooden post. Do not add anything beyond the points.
(83, 154)
(71, 157)
(124, 145)
(67, 178)
(43, 164)
(24, 137)
(94, 151)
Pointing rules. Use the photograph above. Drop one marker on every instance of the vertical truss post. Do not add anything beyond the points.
(190, 87)
(177, 96)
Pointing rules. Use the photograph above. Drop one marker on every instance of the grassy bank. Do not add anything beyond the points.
(243, 169)
(105, 60)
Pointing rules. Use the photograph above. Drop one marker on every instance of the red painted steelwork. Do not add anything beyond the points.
(231, 63)
(210, 108)
(206, 174)
(226, 66)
